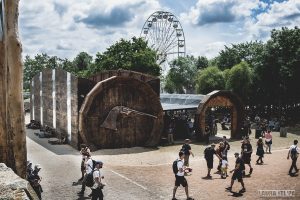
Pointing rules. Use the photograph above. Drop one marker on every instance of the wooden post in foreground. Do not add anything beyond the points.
(12, 131)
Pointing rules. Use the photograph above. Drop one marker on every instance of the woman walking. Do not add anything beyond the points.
(268, 141)
(260, 151)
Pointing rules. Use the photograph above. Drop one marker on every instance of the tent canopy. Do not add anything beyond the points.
(180, 101)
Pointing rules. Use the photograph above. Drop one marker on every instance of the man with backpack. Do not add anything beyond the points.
(179, 169)
(293, 153)
(187, 150)
(89, 167)
(237, 173)
(209, 153)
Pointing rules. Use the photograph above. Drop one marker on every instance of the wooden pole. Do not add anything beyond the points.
(11, 98)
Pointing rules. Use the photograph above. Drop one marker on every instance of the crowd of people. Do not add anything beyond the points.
(182, 168)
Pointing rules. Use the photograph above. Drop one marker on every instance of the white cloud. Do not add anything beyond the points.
(58, 27)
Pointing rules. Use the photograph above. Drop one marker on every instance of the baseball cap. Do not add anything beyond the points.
(37, 166)
(99, 162)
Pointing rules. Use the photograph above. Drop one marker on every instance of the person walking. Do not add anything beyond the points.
(293, 153)
(226, 146)
(84, 151)
(237, 173)
(179, 177)
(187, 150)
(246, 151)
(224, 167)
(207, 134)
(35, 180)
(98, 185)
(209, 153)
(260, 151)
(268, 141)
(170, 135)
(220, 152)
(88, 169)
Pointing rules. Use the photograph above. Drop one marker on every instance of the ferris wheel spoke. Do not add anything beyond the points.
(166, 42)
(173, 42)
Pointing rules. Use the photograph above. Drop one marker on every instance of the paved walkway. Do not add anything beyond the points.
(141, 173)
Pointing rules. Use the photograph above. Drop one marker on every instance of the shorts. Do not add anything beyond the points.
(237, 175)
(247, 159)
(210, 164)
(180, 180)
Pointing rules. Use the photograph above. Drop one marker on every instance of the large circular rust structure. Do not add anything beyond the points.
(121, 112)
(221, 98)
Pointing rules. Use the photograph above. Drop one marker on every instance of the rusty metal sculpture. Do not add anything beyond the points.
(110, 121)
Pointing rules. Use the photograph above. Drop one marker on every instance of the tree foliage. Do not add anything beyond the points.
(238, 79)
(181, 76)
(132, 55)
(209, 79)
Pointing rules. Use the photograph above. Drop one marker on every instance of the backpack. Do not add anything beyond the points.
(184, 149)
(89, 179)
(294, 152)
(174, 166)
(227, 143)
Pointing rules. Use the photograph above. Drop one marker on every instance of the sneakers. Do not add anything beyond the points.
(251, 170)
(81, 192)
(229, 188)
(243, 190)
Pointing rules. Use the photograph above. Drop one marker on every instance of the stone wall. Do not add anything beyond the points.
(49, 93)
(12, 187)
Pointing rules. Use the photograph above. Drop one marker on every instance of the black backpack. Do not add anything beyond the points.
(227, 143)
(294, 152)
(184, 149)
(174, 166)
(89, 179)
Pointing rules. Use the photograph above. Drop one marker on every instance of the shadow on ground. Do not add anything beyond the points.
(65, 149)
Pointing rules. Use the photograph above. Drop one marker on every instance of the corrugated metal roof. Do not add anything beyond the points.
(180, 101)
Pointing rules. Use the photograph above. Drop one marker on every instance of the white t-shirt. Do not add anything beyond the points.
(89, 166)
(96, 174)
(180, 165)
(294, 146)
(224, 163)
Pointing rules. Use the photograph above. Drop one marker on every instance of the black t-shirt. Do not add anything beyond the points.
(240, 162)
(186, 149)
(209, 153)
(246, 148)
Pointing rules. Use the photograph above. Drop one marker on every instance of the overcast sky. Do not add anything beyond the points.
(66, 27)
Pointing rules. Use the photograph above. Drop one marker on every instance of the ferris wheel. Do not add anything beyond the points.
(164, 34)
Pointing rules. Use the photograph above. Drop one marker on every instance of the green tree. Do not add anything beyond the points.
(210, 79)
(250, 52)
(277, 78)
(201, 62)
(34, 65)
(181, 76)
(238, 80)
(130, 55)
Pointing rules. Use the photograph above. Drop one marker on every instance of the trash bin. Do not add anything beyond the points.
(283, 131)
